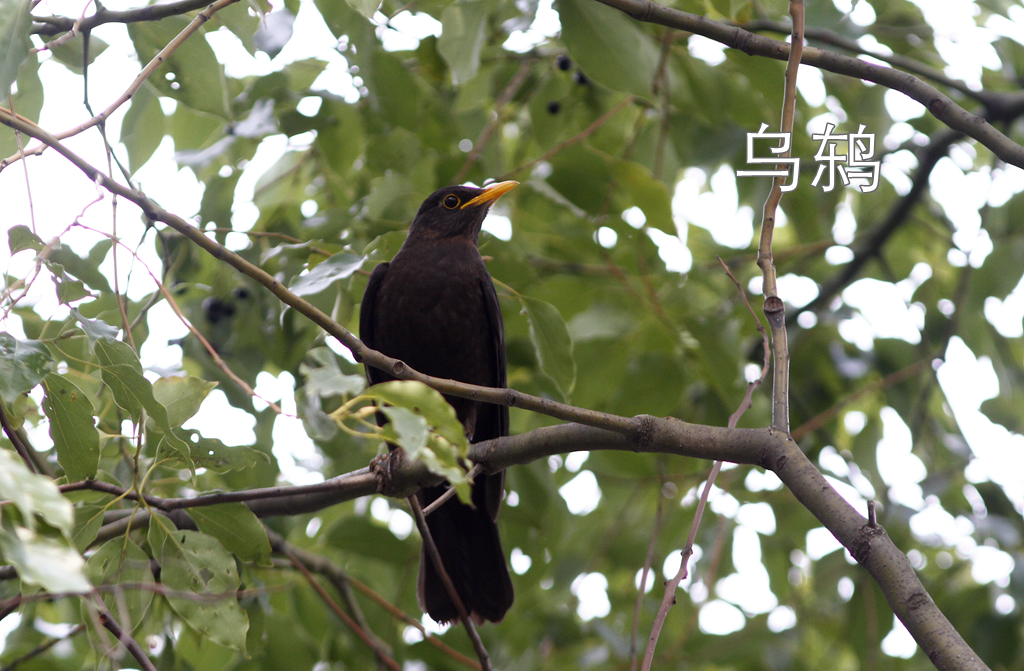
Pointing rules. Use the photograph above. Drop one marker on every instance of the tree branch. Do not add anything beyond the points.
(343, 583)
(897, 61)
(149, 69)
(939, 104)
(363, 635)
(108, 621)
(51, 25)
(15, 439)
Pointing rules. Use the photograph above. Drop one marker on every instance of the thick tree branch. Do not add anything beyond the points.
(767, 448)
(939, 104)
(51, 25)
(896, 60)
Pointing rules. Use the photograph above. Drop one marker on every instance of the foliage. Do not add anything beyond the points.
(601, 124)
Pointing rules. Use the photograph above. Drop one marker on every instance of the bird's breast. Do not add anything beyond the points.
(432, 315)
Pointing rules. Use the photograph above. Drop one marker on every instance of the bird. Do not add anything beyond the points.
(435, 308)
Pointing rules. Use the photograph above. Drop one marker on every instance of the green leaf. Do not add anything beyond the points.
(462, 38)
(240, 22)
(198, 566)
(325, 274)
(120, 561)
(182, 396)
(95, 329)
(68, 288)
(552, 343)
(143, 127)
(160, 528)
(15, 22)
(86, 270)
(327, 379)
(71, 427)
(406, 429)
(122, 372)
(237, 528)
(42, 560)
(609, 46)
(365, 7)
(33, 494)
(88, 520)
(23, 365)
(599, 321)
(425, 425)
(213, 455)
(649, 194)
(365, 537)
(424, 401)
(20, 238)
(28, 101)
(70, 54)
(191, 74)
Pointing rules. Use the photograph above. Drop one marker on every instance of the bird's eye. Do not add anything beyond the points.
(451, 201)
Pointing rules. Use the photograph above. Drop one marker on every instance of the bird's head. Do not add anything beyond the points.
(457, 211)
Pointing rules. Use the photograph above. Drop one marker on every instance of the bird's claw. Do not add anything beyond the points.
(385, 466)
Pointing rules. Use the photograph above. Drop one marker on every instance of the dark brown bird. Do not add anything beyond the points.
(434, 307)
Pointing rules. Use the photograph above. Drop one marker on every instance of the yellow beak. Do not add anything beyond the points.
(492, 193)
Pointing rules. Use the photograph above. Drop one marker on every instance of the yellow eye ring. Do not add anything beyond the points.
(451, 201)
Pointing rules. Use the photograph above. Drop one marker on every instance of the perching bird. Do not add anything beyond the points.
(434, 307)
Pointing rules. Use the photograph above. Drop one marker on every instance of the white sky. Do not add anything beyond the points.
(707, 200)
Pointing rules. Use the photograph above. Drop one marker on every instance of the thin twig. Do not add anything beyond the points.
(496, 116)
(427, 636)
(28, 184)
(130, 644)
(579, 137)
(648, 559)
(217, 360)
(823, 418)
(344, 583)
(896, 60)
(15, 439)
(435, 557)
(349, 622)
(774, 308)
(450, 492)
(748, 397)
(150, 68)
(670, 587)
(43, 647)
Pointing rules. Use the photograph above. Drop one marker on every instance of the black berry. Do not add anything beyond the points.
(563, 62)
(554, 106)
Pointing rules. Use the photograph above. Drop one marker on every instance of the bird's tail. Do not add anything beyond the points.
(467, 541)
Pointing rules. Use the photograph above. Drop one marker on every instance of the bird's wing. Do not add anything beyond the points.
(497, 330)
(367, 318)
(495, 484)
